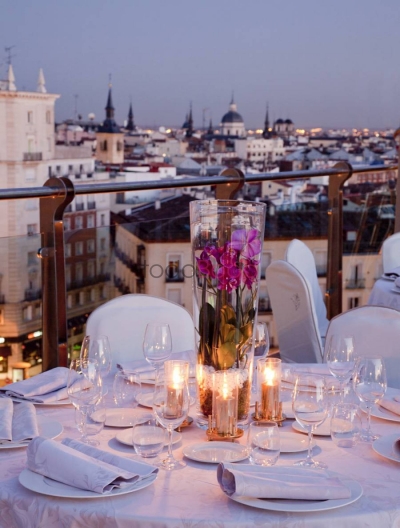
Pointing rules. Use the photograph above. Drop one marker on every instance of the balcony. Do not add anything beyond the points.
(32, 156)
(355, 284)
(91, 205)
(88, 281)
(79, 206)
(32, 295)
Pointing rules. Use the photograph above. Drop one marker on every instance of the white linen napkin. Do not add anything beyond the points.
(397, 282)
(280, 483)
(47, 387)
(391, 405)
(290, 371)
(393, 273)
(17, 421)
(83, 466)
(146, 371)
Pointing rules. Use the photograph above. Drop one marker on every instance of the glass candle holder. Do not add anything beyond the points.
(269, 383)
(176, 374)
(225, 403)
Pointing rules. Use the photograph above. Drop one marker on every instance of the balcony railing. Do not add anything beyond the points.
(57, 194)
(355, 284)
(91, 205)
(32, 156)
(32, 295)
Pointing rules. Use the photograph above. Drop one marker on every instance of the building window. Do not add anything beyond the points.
(103, 292)
(321, 261)
(30, 117)
(174, 268)
(91, 269)
(90, 221)
(79, 272)
(31, 229)
(353, 302)
(92, 295)
(67, 224)
(82, 298)
(266, 259)
(103, 244)
(48, 117)
(32, 258)
(68, 250)
(78, 248)
(103, 145)
(58, 170)
(27, 313)
(119, 146)
(69, 301)
(102, 219)
(175, 295)
(70, 168)
(68, 276)
(78, 222)
(90, 246)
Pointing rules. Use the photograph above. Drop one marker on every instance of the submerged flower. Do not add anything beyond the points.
(229, 258)
(205, 266)
(250, 273)
(247, 242)
(228, 278)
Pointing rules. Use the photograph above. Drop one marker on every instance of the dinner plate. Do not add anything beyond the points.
(289, 505)
(125, 437)
(145, 399)
(384, 447)
(46, 486)
(379, 412)
(47, 429)
(124, 417)
(293, 443)
(48, 404)
(215, 452)
(322, 430)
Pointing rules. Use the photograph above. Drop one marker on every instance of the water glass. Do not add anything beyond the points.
(340, 359)
(95, 420)
(97, 348)
(263, 443)
(345, 424)
(126, 387)
(157, 344)
(148, 436)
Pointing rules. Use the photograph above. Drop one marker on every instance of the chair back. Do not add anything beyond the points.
(294, 314)
(124, 321)
(376, 330)
(391, 252)
(301, 257)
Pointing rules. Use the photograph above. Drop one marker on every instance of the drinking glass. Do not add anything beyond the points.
(95, 420)
(84, 388)
(126, 387)
(340, 359)
(97, 348)
(345, 424)
(171, 403)
(369, 382)
(157, 344)
(310, 408)
(263, 443)
(148, 436)
(261, 343)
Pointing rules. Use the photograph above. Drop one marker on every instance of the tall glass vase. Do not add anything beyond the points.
(227, 238)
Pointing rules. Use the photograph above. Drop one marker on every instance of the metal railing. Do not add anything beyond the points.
(32, 156)
(58, 193)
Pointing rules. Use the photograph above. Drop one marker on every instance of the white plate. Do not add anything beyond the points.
(215, 452)
(288, 505)
(48, 404)
(322, 430)
(124, 417)
(145, 399)
(47, 429)
(384, 446)
(379, 412)
(40, 484)
(293, 443)
(125, 437)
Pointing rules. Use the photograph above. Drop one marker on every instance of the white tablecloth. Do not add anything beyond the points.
(385, 293)
(192, 498)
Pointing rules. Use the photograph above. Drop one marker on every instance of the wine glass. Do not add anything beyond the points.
(340, 359)
(97, 348)
(369, 382)
(310, 408)
(171, 403)
(157, 344)
(261, 343)
(84, 388)
(95, 419)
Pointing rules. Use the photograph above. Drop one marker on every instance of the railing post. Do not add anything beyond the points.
(228, 191)
(54, 306)
(334, 279)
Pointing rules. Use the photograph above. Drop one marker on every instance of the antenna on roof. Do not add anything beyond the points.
(10, 56)
(76, 96)
(109, 80)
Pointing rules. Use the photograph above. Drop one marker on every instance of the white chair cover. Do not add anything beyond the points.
(294, 314)
(376, 330)
(124, 321)
(391, 252)
(301, 257)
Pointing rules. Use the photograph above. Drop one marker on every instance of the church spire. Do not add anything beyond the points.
(109, 106)
(109, 124)
(266, 133)
(41, 84)
(130, 124)
(189, 131)
(11, 79)
(210, 130)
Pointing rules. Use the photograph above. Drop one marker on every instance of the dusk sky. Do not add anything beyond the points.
(328, 64)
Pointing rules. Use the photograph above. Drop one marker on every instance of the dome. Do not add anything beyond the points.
(289, 122)
(232, 117)
(279, 121)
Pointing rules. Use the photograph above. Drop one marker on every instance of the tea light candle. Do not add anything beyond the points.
(224, 411)
(175, 395)
(270, 390)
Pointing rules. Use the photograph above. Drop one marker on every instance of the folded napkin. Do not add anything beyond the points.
(396, 447)
(47, 387)
(397, 282)
(146, 371)
(17, 421)
(280, 483)
(83, 466)
(393, 273)
(290, 372)
(390, 405)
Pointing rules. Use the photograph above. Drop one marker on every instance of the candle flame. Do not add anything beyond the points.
(225, 388)
(269, 375)
(177, 379)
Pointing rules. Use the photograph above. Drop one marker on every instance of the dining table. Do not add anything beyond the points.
(191, 497)
(385, 293)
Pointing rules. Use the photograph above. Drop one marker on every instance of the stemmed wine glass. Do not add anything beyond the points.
(261, 348)
(84, 388)
(340, 359)
(97, 348)
(310, 409)
(157, 344)
(369, 381)
(171, 403)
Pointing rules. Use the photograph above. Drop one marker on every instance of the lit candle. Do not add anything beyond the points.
(175, 395)
(225, 404)
(270, 394)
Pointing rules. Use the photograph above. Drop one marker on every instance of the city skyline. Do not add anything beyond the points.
(330, 66)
